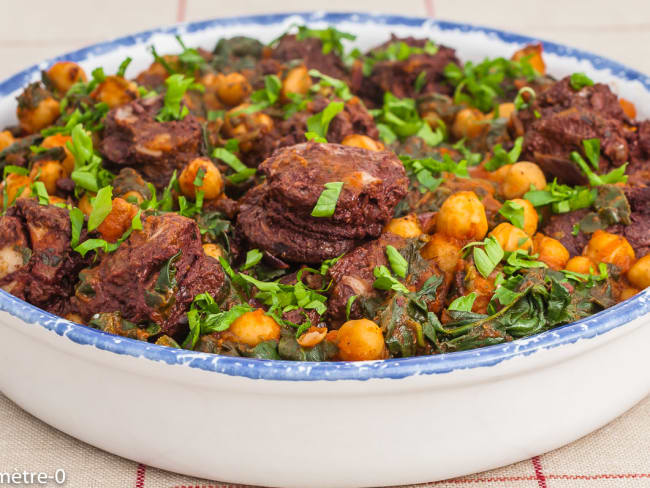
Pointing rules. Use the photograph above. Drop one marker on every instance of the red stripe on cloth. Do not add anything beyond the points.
(429, 9)
(598, 476)
(181, 10)
(139, 476)
(539, 474)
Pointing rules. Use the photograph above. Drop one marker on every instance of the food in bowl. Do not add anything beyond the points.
(300, 201)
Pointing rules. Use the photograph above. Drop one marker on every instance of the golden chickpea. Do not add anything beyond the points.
(469, 122)
(364, 142)
(512, 238)
(255, 327)
(462, 216)
(213, 250)
(60, 140)
(6, 139)
(442, 250)
(520, 177)
(580, 264)
(212, 182)
(506, 110)
(361, 340)
(533, 53)
(48, 172)
(118, 221)
(407, 227)
(64, 74)
(500, 174)
(639, 273)
(115, 91)
(605, 247)
(297, 81)
(18, 186)
(233, 89)
(84, 204)
(43, 114)
(551, 251)
(530, 216)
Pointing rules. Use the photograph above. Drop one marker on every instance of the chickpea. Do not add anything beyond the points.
(233, 89)
(246, 126)
(213, 250)
(364, 142)
(361, 340)
(627, 292)
(64, 74)
(512, 238)
(84, 204)
(118, 221)
(442, 250)
(407, 227)
(580, 264)
(462, 216)
(628, 108)
(60, 140)
(211, 82)
(530, 216)
(212, 182)
(115, 91)
(468, 123)
(6, 139)
(605, 247)
(254, 327)
(519, 179)
(500, 174)
(48, 172)
(33, 119)
(297, 81)
(506, 110)
(551, 251)
(18, 186)
(533, 53)
(639, 273)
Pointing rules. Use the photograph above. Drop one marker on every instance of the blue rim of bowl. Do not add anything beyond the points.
(587, 328)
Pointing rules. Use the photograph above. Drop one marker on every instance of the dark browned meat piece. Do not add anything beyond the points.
(129, 280)
(398, 77)
(37, 263)
(560, 227)
(561, 118)
(133, 137)
(310, 52)
(353, 119)
(353, 275)
(276, 216)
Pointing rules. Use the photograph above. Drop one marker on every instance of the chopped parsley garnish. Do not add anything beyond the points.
(424, 169)
(88, 172)
(488, 257)
(579, 80)
(501, 157)
(319, 123)
(521, 259)
(253, 257)
(463, 304)
(189, 58)
(121, 70)
(265, 97)
(514, 212)
(177, 85)
(562, 198)
(396, 51)
(348, 306)
(384, 280)
(330, 37)
(592, 150)
(520, 103)
(326, 204)
(40, 192)
(479, 85)
(76, 224)
(227, 155)
(398, 264)
(340, 87)
(101, 207)
(399, 118)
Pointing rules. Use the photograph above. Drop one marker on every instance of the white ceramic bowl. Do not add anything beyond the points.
(281, 423)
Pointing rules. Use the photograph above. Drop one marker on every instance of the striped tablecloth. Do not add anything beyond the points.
(617, 455)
